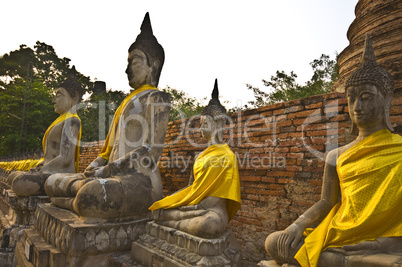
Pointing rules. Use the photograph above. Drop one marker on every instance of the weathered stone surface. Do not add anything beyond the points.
(7, 258)
(164, 246)
(60, 238)
(16, 214)
(64, 230)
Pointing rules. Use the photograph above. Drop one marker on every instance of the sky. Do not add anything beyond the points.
(237, 42)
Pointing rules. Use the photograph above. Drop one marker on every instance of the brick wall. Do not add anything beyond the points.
(88, 152)
(281, 150)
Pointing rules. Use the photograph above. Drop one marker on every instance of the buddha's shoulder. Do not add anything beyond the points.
(334, 154)
(158, 96)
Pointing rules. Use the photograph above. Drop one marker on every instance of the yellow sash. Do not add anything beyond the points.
(20, 165)
(370, 175)
(110, 138)
(60, 119)
(215, 174)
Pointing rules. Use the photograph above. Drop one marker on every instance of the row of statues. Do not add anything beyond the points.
(362, 182)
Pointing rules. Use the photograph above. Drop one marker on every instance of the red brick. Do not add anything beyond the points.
(251, 178)
(303, 114)
(268, 180)
(285, 181)
(397, 101)
(314, 105)
(282, 174)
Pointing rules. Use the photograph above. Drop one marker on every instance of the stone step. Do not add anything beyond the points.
(37, 252)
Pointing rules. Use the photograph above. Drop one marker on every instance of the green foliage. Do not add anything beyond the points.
(183, 106)
(36, 72)
(39, 113)
(97, 113)
(283, 87)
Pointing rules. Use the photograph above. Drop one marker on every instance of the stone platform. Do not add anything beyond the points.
(375, 260)
(16, 214)
(60, 238)
(166, 247)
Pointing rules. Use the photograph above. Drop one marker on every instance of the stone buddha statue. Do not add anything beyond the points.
(359, 211)
(206, 206)
(124, 180)
(60, 142)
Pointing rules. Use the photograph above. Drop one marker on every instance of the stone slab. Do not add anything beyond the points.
(74, 237)
(60, 238)
(16, 214)
(168, 247)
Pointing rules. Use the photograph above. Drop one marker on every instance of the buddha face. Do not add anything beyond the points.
(138, 71)
(366, 105)
(211, 129)
(62, 101)
(207, 126)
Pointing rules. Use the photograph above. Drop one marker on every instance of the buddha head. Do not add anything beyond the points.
(369, 91)
(213, 118)
(145, 58)
(68, 93)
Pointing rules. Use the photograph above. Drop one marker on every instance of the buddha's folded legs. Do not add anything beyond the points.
(64, 184)
(105, 198)
(11, 176)
(208, 225)
(28, 183)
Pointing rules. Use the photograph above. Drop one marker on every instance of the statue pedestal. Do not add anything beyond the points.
(375, 260)
(164, 246)
(16, 214)
(60, 238)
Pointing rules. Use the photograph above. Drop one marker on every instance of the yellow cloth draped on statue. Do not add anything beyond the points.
(110, 138)
(60, 119)
(20, 165)
(215, 174)
(25, 165)
(370, 175)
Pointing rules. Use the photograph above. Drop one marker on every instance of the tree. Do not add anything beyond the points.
(38, 115)
(34, 73)
(183, 106)
(283, 87)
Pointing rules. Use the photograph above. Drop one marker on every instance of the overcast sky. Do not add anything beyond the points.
(238, 42)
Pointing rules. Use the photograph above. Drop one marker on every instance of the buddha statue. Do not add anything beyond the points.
(60, 143)
(206, 206)
(124, 180)
(359, 211)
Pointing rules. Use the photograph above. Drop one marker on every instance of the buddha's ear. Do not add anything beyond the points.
(77, 97)
(387, 107)
(155, 72)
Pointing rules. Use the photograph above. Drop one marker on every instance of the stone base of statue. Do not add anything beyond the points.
(164, 246)
(60, 238)
(16, 214)
(375, 260)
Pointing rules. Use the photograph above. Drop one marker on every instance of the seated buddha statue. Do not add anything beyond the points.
(124, 180)
(206, 206)
(359, 211)
(60, 142)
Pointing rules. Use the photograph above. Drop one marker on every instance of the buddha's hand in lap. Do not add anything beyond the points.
(100, 172)
(190, 207)
(361, 248)
(178, 214)
(289, 238)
